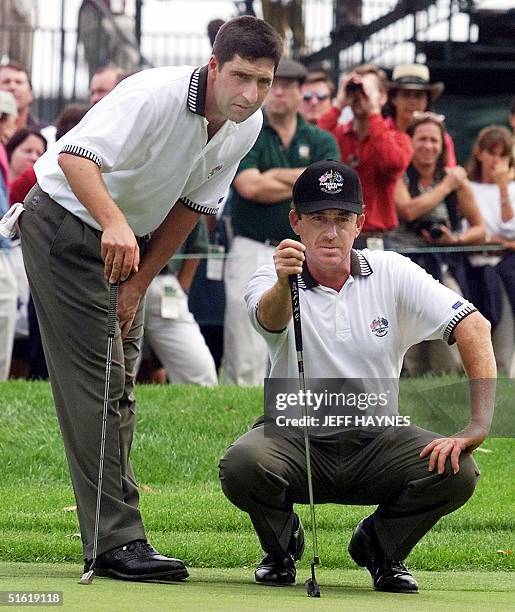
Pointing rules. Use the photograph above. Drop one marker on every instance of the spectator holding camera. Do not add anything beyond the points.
(491, 277)
(431, 199)
(379, 153)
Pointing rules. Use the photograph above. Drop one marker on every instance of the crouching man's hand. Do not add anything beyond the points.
(442, 448)
(274, 307)
(288, 259)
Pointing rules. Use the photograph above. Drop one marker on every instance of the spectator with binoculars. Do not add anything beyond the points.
(379, 153)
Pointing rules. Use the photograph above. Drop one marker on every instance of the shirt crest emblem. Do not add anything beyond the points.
(379, 327)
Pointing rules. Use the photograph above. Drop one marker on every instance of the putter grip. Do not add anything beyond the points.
(295, 304)
(111, 309)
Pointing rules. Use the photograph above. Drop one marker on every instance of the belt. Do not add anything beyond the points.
(36, 190)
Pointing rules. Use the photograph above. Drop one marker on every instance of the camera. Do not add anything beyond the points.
(353, 87)
(432, 226)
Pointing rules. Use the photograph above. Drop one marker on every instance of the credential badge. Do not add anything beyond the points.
(331, 182)
(304, 151)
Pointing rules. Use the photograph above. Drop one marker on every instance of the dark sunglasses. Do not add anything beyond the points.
(307, 97)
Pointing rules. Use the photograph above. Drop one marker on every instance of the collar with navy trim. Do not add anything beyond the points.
(359, 266)
(197, 90)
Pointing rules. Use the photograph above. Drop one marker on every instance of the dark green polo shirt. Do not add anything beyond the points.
(270, 221)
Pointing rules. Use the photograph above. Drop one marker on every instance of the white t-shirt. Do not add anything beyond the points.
(387, 305)
(149, 138)
(488, 198)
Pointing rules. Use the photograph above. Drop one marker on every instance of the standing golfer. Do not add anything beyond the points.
(149, 158)
(362, 311)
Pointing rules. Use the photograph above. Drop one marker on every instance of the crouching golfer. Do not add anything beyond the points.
(158, 151)
(414, 476)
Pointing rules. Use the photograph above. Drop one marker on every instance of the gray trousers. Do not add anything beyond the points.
(265, 475)
(65, 271)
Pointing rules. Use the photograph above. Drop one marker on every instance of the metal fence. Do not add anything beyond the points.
(59, 71)
(396, 43)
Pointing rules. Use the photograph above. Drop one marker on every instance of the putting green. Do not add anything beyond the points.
(232, 589)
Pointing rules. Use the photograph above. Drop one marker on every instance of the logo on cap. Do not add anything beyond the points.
(331, 182)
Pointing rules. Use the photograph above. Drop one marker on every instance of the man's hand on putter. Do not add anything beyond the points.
(129, 297)
(120, 252)
(288, 259)
(441, 449)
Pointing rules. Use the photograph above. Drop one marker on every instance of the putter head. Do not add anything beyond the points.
(312, 588)
(87, 577)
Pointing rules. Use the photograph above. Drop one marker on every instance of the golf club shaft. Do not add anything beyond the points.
(111, 328)
(297, 328)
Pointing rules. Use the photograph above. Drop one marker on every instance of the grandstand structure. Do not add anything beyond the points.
(465, 44)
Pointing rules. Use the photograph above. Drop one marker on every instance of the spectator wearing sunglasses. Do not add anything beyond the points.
(317, 94)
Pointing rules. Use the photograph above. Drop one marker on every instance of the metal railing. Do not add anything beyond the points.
(389, 32)
(387, 35)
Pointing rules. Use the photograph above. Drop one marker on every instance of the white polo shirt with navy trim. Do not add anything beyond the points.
(149, 139)
(387, 305)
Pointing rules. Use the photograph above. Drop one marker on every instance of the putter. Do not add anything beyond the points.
(87, 577)
(312, 588)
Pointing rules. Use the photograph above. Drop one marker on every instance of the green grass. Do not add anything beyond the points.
(181, 434)
(232, 590)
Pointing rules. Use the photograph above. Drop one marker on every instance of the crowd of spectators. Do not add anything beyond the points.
(457, 223)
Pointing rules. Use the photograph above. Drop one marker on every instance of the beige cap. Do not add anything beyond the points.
(290, 69)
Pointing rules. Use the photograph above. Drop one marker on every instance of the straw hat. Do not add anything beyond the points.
(415, 76)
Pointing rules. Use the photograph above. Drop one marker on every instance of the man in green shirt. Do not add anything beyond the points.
(259, 205)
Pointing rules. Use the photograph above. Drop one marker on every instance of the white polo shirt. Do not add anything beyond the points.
(387, 304)
(149, 138)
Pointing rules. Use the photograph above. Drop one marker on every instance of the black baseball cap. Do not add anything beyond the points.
(328, 184)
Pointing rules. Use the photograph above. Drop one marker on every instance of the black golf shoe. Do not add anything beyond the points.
(279, 569)
(138, 561)
(388, 575)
